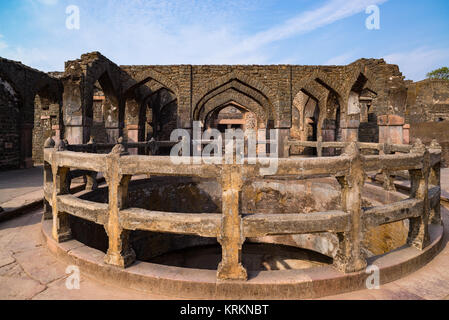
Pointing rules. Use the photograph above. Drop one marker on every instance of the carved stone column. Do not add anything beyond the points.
(61, 223)
(419, 230)
(350, 257)
(231, 238)
(48, 181)
(435, 180)
(119, 253)
(350, 129)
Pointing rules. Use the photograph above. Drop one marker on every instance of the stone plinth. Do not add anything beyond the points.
(391, 129)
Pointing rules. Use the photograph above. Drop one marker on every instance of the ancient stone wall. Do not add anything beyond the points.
(29, 112)
(428, 100)
(428, 112)
(9, 117)
(104, 100)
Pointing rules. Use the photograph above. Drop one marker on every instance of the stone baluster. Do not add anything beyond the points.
(231, 238)
(350, 257)
(91, 176)
(419, 232)
(48, 180)
(119, 253)
(435, 180)
(61, 186)
(319, 147)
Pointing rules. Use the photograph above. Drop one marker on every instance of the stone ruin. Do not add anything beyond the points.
(339, 127)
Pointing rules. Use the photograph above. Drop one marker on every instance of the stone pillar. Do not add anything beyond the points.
(91, 181)
(113, 133)
(435, 180)
(231, 238)
(390, 132)
(57, 132)
(419, 232)
(119, 253)
(48, 185)
(350, 257)
(48, 181)
(319, 147)
(328, 134)
(262, 137)
(283, 147)
(350, 130)
(133, 137)
(61, 185)
(74, 134)
(391, 129)
(406, 133)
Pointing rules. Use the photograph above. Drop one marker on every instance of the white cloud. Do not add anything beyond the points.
(417, 63)
(170, 32)
(332, 11)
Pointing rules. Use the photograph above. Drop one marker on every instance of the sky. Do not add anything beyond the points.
(44, 33)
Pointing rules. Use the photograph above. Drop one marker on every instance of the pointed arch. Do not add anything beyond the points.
(146, 75)
(232, 95)
(238, 81)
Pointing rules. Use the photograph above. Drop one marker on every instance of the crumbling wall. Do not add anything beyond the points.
(9, 127)
(24, 106)
(428, 100)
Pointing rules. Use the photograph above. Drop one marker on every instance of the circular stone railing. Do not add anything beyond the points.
(231, 228)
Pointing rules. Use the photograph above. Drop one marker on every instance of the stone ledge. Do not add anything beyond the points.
(202, 284)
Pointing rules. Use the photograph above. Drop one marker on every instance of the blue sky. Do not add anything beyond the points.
(413, 34)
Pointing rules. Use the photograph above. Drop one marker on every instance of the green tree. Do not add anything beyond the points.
(442, 73)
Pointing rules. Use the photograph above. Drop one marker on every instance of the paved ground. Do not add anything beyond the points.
(20, 187)
(29, 271)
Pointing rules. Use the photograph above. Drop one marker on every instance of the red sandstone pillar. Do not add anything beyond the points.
(391, 129)
(406, 133)
(350, 130)
(133, 137)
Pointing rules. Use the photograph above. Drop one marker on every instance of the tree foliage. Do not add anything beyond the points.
(441, 73)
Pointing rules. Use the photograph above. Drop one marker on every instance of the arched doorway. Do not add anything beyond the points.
(306, 114)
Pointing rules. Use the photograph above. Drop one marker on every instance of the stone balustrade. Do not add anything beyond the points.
(232, 227)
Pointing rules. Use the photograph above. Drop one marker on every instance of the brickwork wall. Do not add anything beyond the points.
(427, 100)
(9, 128)
(266, 89)
(24, 123)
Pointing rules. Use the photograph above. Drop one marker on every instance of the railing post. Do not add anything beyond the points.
(388, 179)
(48, 181)
(435, 179)
(350, 257)
(119, 253)
(231, 238)
(319, 147)
(61, 185)
(419, 230)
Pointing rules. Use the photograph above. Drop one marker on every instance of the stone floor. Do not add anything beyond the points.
(29, 271)
(20, 187)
